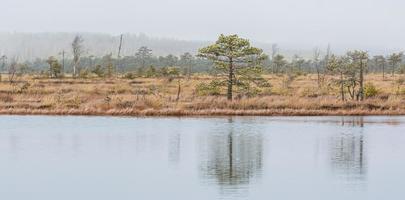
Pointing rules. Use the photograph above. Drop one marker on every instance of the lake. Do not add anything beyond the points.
(100, 158)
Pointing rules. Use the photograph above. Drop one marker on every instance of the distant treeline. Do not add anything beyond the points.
(122, 65)
(144, 60)
(77, 59)
(29, 46)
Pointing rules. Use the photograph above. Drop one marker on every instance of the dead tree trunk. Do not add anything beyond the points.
(178, 90)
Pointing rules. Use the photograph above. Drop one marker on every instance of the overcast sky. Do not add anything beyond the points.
(351, 23)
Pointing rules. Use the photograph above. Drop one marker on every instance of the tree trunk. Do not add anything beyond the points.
(63, 63)
(342, 93)
(189, 72)
(361, 92)
(319, 77)
(74, 69)
(383, 71)
(230, 80)
(178, 90)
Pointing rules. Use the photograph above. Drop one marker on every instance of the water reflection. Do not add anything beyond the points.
(208, 158)
(232, 156)
(353, 121)
(174, 148)
(345, 120)
(348, 152)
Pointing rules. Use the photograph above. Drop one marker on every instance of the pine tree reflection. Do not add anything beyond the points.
(232, 157)
(348, 152)
(353, 121)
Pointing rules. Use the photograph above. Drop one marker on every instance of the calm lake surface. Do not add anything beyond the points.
(316, 158)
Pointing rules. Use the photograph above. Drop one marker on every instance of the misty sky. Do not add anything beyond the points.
(342, 23)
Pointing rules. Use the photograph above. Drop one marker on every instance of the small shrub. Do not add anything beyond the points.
(281, 91)
(286, 82)
(6, 98)
(247, 92)
(65, 90)
(206, 89)
(48, 102)
(152, 102)
(74, 102)
(107, 100)
(141, 91)
(370, 90)
(399, 84)
(267, 91)
(23, 88)
(401, 91)
(124, 104)
(120, 89)
(84, 73)
(130, 75)
(99, 71)
(309, 92)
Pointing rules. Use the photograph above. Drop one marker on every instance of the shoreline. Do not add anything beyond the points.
(161, 97)
(202, 113)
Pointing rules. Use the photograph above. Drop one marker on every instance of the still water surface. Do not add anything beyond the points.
(100, 158)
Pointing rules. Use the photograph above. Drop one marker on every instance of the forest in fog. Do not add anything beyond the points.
(32, 50)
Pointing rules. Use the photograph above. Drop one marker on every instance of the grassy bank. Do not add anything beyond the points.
(159, 97)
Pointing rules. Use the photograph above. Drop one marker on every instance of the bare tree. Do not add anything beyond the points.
(12, 70)
(77, 48)
(62, 70)
(274, 53)
(119, 52)
(120, 46)
(316, 63)
(324, 64)
(327, 56)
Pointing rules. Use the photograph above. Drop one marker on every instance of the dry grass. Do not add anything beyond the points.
(152, 97)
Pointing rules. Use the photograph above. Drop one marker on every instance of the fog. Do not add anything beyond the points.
(368, 24)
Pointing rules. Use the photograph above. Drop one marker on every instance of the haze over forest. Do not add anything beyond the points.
(42, 28)
(29, 46)
(41, 45)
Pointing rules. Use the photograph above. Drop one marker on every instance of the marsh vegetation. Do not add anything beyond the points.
(229, 77)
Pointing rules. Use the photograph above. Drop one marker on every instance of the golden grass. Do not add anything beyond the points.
(157, 97)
